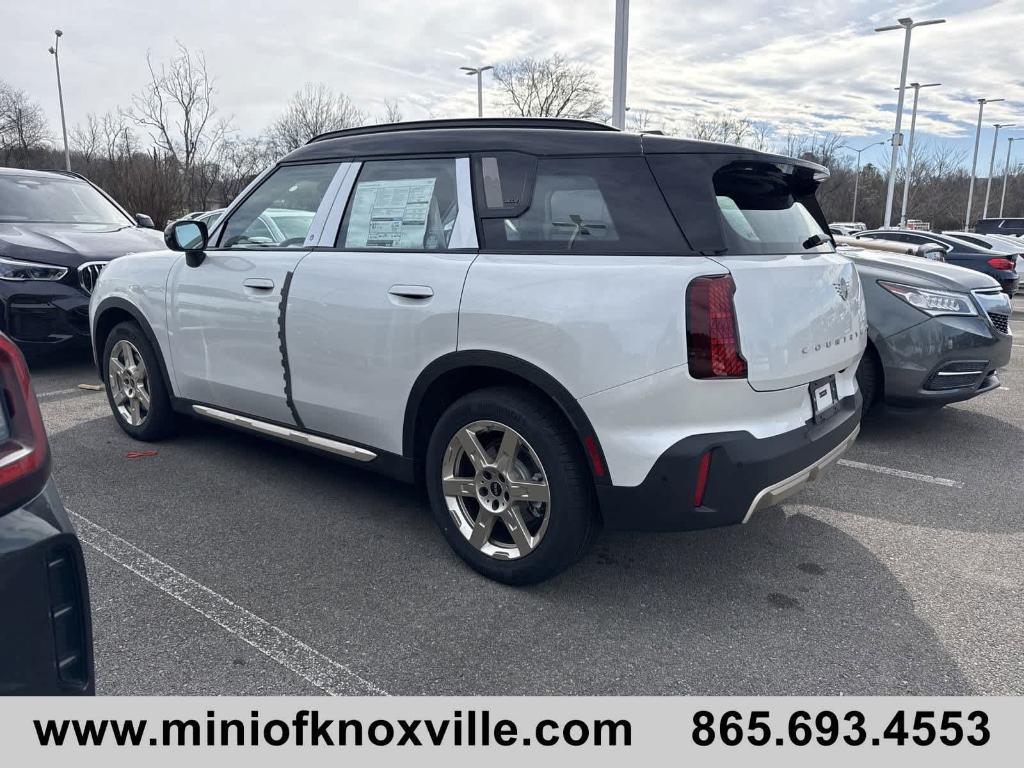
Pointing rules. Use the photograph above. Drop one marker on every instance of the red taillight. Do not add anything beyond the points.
(702, 479)
(24, 451)
(998, 263)
(712, 343)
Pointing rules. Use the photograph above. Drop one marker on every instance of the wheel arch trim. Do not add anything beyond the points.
(115, 302)
(589, 441)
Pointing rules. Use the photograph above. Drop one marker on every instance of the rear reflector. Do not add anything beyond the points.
(998, 263)
(702, 479)
(595, 455)
(712, 342)
(24, 451)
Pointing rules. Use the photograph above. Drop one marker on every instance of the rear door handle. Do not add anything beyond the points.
(259, 283)
(412, 291)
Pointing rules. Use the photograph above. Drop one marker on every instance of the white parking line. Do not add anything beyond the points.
(71, 391)
(325, 673)
(901, 473)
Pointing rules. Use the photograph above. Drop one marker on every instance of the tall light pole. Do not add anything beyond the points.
(54, 49)
(992, 164)
(907, 25)
(910, 150)
(479, 72)
(619, 66)
(1006, 173)
(974, 162)
(856, 178)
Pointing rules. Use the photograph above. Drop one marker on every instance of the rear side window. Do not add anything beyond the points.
(767, 209)
(607, 205)
(402, 205)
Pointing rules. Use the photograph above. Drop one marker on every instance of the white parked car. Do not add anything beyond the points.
(552, 324)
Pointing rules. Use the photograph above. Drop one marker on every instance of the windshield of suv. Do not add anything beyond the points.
(765, 210)
(54, 200)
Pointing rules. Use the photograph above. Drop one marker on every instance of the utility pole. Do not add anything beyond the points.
(479, 72)
(619, 71)
(910, 151)
(55, 51)
(992, 163)
(906, 24)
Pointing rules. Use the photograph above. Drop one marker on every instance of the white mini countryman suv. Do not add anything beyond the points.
(551, 324)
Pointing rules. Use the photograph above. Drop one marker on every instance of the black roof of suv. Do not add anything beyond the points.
(538, 136)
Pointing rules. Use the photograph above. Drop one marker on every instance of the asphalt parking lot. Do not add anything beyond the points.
(225, 564)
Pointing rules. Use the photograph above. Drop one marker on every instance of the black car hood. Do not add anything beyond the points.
(916, 271)
(70, 245)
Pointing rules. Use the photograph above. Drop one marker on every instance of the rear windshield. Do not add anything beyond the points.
(765, 209)
(54, 200)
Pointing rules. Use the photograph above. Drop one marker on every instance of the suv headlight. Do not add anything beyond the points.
(12, 269)
(932, 302)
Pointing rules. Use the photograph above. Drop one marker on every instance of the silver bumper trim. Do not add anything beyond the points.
(782, 490)
(286, 433)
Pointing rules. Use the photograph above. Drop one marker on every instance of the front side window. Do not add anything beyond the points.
(584, 204)
(55, 200)
(279, 213)
(765, 210)
(407, 205)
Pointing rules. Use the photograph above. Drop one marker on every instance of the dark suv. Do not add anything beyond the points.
(45, 624)
(57, 231)
(1000, 227)
(958, 252)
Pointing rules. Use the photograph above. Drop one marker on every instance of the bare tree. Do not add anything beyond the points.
(392, 112)
(241, 161)
(87, 140)
(639, 120)
(177, 108)
(22, 124)
(551, 87)
(313, 110)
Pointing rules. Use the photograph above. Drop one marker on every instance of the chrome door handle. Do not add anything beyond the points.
(412, 291)
(259, 283)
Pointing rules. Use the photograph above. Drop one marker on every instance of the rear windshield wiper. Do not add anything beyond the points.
(814, 241)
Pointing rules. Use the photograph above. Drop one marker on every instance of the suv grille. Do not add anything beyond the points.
(997, 306)
(89, 273)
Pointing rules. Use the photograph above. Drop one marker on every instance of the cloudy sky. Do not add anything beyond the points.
(806, 65)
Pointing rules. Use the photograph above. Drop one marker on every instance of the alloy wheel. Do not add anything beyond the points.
(129, 383)
(496, 490)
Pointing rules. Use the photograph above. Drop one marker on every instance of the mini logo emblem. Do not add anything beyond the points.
(842, 288)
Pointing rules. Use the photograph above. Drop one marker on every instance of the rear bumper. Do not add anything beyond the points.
(46, 640)
(746, 474)
(920, 364)
(42, 316)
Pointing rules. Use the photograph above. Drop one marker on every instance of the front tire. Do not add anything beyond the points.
(868, 380)
(509, 487)
(136, 389)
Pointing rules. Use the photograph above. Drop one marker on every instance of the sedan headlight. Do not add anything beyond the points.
(932, 302)
(12, 269)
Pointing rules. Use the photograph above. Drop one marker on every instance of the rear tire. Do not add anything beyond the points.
(869, 380)
(523, 510)
(135, 386)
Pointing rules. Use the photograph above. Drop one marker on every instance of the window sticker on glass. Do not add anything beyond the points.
(391, 214)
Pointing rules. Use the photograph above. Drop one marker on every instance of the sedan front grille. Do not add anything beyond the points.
(1001, 322)
(89, 273)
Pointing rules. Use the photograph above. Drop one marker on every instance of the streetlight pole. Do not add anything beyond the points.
(856, 178)
(992, 163)
(479, 72)
(60, 96)
(910, 150)
(1006, 173)
(907, 25)
(974, 162)
(619, 66)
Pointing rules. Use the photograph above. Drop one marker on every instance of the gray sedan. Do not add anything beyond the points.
(937, 333)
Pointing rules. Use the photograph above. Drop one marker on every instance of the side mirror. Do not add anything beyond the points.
(190, 237)
(144, 221)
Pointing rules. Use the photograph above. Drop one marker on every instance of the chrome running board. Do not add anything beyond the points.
(287, 433)
(774, 494)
